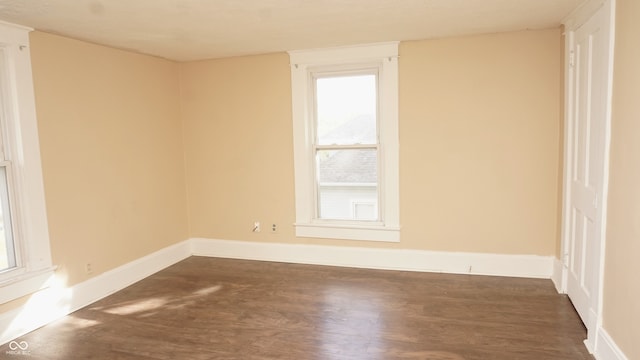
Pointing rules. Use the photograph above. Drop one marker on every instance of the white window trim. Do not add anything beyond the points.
(384, 55)
(22, 147)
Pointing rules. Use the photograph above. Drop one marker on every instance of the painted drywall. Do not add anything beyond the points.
(110, 135)
(621, 310)
(479, 145)
(479, 137)
(239, 147)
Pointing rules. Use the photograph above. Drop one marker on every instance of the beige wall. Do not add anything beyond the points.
(479, 138)
(110, 134)
(479, 120)
(621, 286)
(239, 146)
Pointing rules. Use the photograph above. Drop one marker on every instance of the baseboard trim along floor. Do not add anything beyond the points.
(530, 266)
(53, 303)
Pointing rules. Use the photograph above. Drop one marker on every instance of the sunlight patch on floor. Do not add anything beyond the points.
(207, 290)
(44, 306)
(135, 307)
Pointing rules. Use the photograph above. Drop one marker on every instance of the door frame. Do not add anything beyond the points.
(571, 23)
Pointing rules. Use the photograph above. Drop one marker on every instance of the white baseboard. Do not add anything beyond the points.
(378, 258)
(593, 328)
(607, 349)
(55, 301)
(557, 274)
(119, 278)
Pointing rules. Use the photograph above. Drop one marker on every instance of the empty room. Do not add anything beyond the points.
(328, 179)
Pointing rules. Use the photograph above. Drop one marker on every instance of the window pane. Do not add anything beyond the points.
(348, 181)
(346, 109)
(7, 252)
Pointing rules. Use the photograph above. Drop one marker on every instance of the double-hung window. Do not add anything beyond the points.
(25, 259)
(345, 113)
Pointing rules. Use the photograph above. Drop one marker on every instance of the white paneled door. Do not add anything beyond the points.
(586, 164)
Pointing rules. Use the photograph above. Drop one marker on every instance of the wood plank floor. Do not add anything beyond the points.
(209, 308)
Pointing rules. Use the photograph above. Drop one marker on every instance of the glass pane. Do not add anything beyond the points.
(346, 108)
(348, 184)
(7, 252)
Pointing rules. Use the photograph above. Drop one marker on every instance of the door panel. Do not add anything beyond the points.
(587, 126)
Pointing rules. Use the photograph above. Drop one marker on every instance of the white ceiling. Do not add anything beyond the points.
(202, 29)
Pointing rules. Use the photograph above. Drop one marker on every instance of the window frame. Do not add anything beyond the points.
(21, 147)
(350, 59)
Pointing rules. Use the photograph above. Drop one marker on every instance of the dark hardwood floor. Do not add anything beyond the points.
(209, 308)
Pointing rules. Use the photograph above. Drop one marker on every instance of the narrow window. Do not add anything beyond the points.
(345, 127)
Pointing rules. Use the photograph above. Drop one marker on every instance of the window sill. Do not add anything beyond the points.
(349, 232)
(25, 284)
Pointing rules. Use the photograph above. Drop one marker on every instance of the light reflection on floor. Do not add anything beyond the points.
(350, 322)
(149, 306)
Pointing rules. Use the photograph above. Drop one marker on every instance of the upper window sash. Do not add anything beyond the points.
(355, 70)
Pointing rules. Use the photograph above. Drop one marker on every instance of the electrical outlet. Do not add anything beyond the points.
(256, 227)
(274, 228)
(88, 268)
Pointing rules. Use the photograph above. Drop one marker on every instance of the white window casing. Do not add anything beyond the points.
(304, 63)
(21, 149)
